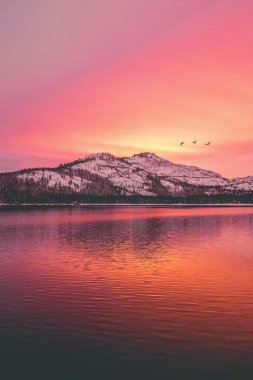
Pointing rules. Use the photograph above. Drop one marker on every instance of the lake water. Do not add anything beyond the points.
(136, 291)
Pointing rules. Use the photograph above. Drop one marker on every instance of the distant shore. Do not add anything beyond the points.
(22, 205)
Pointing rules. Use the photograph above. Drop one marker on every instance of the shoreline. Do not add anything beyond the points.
(4, 205)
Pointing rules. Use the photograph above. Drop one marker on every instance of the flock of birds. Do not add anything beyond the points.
(195, 142)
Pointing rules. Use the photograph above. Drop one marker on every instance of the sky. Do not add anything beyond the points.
(127, 76)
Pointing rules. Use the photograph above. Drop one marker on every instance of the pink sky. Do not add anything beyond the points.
(124, 77)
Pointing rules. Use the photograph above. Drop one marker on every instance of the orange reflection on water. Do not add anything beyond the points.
(156, 280)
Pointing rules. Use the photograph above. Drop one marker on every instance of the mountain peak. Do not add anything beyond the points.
(147, 155)
(102, 156)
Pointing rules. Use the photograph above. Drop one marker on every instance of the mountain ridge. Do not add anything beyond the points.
(105, 175)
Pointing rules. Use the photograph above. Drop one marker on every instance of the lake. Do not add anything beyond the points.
(137, 291)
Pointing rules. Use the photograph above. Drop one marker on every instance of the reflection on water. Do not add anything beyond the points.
(139, 289)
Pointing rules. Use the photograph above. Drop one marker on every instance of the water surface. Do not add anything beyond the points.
(139, 291)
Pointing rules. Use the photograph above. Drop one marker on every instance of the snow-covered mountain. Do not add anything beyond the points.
(243, 184)
(143, 174)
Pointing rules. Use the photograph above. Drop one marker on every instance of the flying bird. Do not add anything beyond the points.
(208, 143)
(194, 142)
(182, 143)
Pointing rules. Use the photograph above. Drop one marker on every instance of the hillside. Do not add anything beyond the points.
(143, 176)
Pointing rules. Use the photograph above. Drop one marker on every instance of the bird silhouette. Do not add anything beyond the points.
(182, 143)
(208, 143)
(194, 142)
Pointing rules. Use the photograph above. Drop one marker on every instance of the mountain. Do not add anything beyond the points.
(103, 175)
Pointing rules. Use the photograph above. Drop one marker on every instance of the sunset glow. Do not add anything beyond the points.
(127, 76)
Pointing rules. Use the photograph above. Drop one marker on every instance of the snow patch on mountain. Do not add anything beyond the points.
(168, 170)
(120, 173)
(52, 179)
(244, 183)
